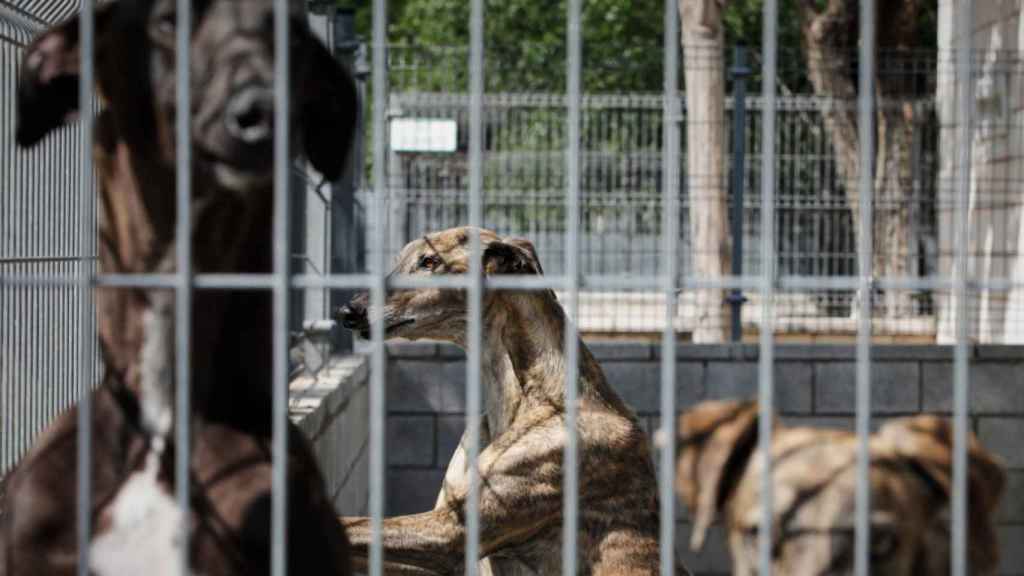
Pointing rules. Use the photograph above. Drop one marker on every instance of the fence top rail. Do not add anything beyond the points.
(15, 27)
(48, 11)
(417, 99)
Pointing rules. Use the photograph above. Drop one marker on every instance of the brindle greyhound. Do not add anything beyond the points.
(134, 518)
(814, 478)
(523, 433)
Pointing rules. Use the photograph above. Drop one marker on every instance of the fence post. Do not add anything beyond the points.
(348, 226)
(739, 73)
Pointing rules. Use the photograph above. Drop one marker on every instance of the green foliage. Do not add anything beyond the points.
(526, 49)
(525, 43)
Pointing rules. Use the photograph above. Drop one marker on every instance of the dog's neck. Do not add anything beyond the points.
(523, 363)
(136, 232)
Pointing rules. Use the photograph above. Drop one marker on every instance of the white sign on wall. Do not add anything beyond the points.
(423, 135)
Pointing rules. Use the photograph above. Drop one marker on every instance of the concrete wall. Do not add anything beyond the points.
(332, 409)
(996, 242)
(815, 386)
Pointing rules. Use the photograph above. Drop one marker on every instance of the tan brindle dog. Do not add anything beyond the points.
(814, 475)
(523, 433)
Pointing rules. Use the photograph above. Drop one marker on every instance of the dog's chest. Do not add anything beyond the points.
(139, 531)
(540, 555)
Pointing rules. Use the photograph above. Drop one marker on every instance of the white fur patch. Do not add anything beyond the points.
(144, 535)
(237, 179)
(156, 363)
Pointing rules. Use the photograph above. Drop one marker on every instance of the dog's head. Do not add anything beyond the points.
(232, 107)
(814, 484)
(432, 312)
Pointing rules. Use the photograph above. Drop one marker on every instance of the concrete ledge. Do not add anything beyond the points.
(411, 349)
(332, 409)
(643, 350)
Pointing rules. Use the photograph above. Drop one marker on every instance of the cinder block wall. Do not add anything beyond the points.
(815, 387)
(332, 409)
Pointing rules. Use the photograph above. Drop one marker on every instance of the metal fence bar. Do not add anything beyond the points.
(670, 215)
(45, 259)
(183, 290)
(554, 282)
(964, 76)
(739, 72)
(86, 31)
(766, 355)
(866, 133)
(570, 501)
(281, 305)
(474, 295)
(342, 281)
(377, 289)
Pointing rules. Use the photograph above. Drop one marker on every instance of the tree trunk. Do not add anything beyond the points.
(704, 73)
(832, 74)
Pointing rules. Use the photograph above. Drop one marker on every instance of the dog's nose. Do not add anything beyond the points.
(249, 115)
(352, 316)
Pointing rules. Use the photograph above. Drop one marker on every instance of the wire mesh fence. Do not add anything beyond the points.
(621, 177)
(38, 223)
(621, 197)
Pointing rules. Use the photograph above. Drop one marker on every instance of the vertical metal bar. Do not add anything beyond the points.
(965, 84)
(474, 338)
(6, 161)
(570, 502)
(866, 133)
(377, 289)
(766, 351)
(740, 71)
(183, 292)
(670, 246)
(87, 230)
(282, 262)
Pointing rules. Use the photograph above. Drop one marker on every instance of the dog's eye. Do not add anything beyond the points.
(883, 544)
(429, 262)
(167, 23)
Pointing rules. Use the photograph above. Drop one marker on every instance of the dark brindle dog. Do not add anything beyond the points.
(134, 519)
(814, 478)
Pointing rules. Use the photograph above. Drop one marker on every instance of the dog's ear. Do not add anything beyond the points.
(329, 110)
(926, 444)
(511, 256)
(47, 94)
(716, 441)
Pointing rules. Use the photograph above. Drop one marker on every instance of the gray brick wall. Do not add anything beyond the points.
(814, 387)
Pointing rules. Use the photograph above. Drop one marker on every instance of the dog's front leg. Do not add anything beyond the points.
(458, 465)
(426, 543)
(457, 473)
(520, 494)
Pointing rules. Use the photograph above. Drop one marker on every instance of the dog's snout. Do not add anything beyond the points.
(250, 115)
(352, 315)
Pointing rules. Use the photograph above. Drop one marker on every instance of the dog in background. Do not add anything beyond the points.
(523, 431)
(814, 483)
(135, 520)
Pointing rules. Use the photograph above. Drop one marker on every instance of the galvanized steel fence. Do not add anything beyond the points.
(621, 198)
(38, 279)
(41, 330)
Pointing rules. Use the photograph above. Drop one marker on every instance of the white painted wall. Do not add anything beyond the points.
(996, 242)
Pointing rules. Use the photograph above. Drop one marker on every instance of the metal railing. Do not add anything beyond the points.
(571, 279)
(38, 224)
(622, 202)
